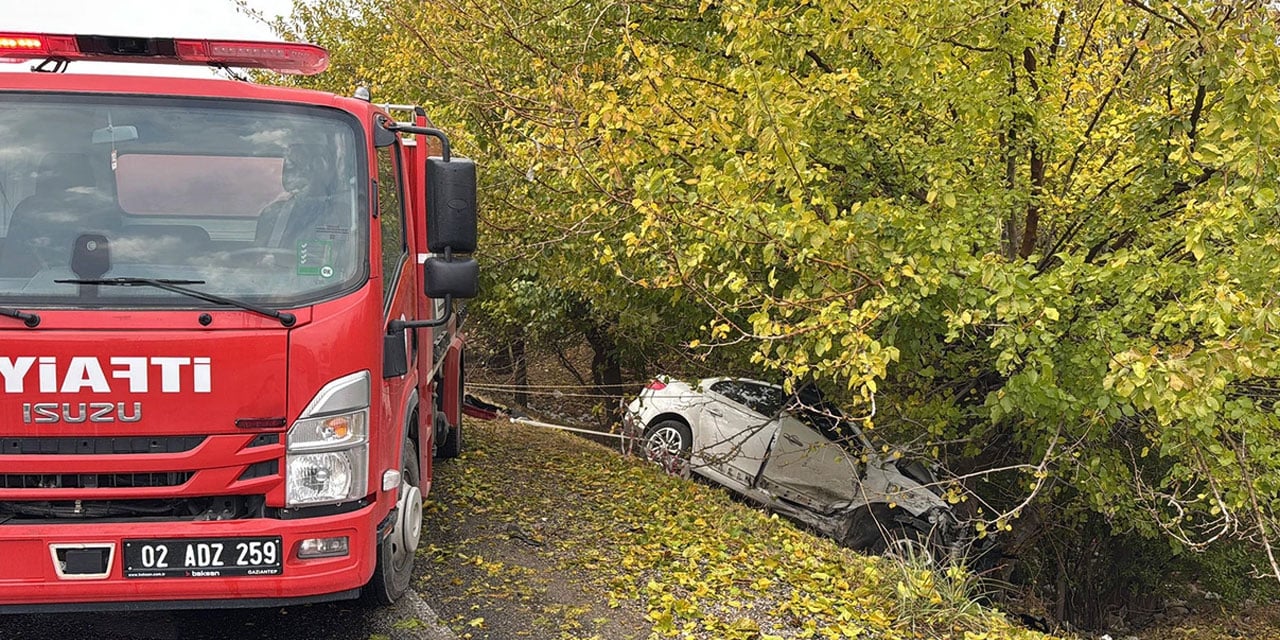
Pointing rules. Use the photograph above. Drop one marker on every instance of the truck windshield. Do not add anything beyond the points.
(261, 202)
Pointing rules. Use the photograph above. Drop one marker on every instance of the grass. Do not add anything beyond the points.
(552, 536)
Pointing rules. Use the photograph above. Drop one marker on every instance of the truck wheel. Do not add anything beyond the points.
(452, 445)
(394, 572)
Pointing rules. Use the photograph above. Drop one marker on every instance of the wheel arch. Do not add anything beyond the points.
(866, 523)
(668, 416)
(411, 419)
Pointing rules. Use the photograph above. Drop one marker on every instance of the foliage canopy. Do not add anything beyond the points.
(1041, 234)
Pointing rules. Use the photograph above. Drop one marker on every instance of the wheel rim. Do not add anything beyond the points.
(408, 528)
(664, 442)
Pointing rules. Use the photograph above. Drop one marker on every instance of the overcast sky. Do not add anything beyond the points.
(171, 18)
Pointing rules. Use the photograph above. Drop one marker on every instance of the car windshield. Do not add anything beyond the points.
(255, 201)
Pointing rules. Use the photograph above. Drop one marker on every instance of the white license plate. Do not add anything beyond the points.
(203, 557)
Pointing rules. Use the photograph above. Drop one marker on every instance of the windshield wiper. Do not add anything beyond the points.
(29, 319)
(287, 319)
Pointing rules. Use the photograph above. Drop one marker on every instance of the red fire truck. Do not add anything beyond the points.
(228, 348)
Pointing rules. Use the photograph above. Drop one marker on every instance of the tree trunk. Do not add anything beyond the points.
(1031, 228)
(606, 371)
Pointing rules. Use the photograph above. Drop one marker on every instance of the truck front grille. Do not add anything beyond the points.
(104, 478)
(93, 480)
(98, 445)
(153, 510)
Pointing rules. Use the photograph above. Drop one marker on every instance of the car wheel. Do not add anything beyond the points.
(668, 443)
(909, 545)
(394, 571)
(878, 531)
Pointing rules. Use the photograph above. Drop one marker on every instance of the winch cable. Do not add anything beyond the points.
(548, 425)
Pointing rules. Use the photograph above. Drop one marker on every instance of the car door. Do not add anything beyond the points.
(806, 468)
(742, 420)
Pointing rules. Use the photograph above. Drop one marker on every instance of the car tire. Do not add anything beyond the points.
(877, 530)
(668, 443)
(907, 544)
(394, 571)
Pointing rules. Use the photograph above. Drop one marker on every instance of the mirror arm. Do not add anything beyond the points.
(401, 325)
(426, 131)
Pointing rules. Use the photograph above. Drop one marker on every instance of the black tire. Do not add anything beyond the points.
(394, 571)
(880, 531)
(668, 443)
(452, 445)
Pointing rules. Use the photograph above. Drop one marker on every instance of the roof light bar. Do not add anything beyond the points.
(293, 58)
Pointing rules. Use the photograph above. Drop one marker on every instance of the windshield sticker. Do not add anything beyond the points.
(315, 258)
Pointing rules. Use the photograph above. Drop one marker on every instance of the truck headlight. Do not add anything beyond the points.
(332, 476)
(327, 458)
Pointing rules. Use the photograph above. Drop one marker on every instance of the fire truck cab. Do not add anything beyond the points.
(228, 345)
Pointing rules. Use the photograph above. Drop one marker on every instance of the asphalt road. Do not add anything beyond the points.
(410, 619)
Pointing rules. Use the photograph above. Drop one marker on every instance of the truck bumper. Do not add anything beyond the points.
(30, 581)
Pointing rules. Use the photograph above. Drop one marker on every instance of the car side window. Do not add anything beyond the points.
(731, 390)
(759, 398)
(825, 418)
(395, 246)
(763, 399)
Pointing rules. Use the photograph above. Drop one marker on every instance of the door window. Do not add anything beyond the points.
(391, 216)
(760, 398)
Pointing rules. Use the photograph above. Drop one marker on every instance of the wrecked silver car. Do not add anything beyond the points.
(797, 455)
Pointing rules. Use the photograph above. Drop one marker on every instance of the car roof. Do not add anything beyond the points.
(710, 381)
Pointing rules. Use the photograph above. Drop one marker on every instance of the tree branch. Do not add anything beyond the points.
(813, 55)
(1140, 5)
(1097, 114)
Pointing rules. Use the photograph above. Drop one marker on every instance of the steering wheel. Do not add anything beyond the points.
(263, 256)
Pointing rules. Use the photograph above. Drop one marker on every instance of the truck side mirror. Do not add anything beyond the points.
(451, 226)
(451, 205)
(451, 277)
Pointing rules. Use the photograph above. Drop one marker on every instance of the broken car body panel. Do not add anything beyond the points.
(816, 468)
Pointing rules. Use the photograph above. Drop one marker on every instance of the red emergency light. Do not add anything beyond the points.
(282, 57)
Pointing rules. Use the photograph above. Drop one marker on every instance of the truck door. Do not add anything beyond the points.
(398, 275)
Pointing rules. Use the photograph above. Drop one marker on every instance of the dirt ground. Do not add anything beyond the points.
(507, 561)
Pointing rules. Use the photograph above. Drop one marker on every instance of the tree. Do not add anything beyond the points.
(1041, 235)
